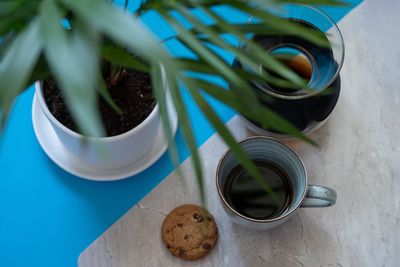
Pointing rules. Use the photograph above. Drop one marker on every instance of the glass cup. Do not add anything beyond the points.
(307, 107)
(323, 59)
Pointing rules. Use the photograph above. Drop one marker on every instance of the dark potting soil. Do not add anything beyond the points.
(133, 95)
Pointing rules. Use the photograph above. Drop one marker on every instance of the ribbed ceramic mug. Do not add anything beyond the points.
(280, 154)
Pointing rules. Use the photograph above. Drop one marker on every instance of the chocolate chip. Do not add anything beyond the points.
(186, 237)
(181, 252)
(168, 246)
(207, 246)
(198, 217)
(167, 231)
(180, 225)
(208, 219)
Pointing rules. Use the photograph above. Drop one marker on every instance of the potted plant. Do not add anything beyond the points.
(68, 40)
(128, 137)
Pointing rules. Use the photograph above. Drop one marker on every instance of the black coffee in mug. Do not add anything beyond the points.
(247, 197)
(245, 200)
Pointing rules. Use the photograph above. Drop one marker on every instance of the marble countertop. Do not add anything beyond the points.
(359, 156)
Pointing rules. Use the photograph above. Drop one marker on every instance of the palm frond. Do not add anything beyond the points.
(35, 45)
(17, 64)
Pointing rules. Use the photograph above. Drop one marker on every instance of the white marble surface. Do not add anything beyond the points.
(359, 156)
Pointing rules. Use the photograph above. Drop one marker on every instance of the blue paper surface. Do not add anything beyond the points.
(47, 216)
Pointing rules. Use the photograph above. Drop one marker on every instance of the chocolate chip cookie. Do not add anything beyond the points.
(189, 232)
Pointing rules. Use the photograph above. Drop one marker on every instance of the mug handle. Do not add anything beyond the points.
(319, 196)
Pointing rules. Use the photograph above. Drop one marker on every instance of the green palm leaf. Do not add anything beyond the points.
(17, 65)
(121, 57)
(77, 75)
(254, 59)
(163, 82)
(36, 46)
(229, 139)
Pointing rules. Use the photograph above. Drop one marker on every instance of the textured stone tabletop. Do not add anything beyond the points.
(359, 156)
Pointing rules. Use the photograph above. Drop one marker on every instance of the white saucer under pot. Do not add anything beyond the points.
(104, 154)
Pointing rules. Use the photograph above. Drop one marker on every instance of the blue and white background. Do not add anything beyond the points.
(47, 216)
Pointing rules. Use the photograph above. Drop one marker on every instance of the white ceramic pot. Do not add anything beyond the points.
(106, 152)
